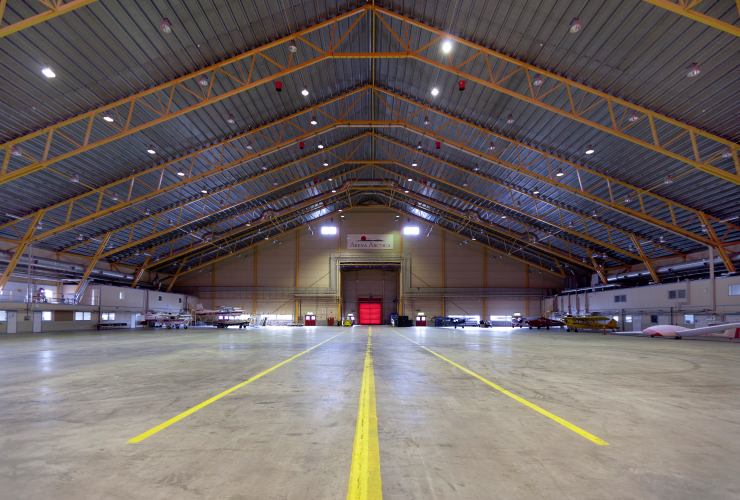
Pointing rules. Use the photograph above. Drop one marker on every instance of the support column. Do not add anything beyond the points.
(443, 272)
(485, 277)
(254, 294)
(526, 285)
(711, 280)
(297, 270)
(213, 284)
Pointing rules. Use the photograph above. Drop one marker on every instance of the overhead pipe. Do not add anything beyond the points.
(68, 267)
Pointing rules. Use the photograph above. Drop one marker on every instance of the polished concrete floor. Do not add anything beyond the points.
(670, 411)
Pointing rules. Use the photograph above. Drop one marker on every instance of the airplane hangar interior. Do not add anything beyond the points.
(366, 249)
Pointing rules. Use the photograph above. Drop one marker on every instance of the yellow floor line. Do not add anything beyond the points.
(536, 408)
(364, 476)
(192, 410)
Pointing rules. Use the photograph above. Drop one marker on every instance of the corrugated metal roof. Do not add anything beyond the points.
(111, 49)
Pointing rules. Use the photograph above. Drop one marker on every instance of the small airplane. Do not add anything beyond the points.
(167, 320)
(223, 317)
(731, 331)
(540, 322)
(589, 323)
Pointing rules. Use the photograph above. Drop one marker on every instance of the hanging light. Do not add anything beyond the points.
(406, 191)
(510, 119)
(230, 119)
(413, 163)
(48, 72)
(16, 151)
(693, 70)
(264, 167)
(204, 191)
(107, 116)
(275, 183)
(631, 248)
(491, 147)
(74, 179)
(435, 91)
(465, 184)
(166, 26)
(321, 146)
(292, 46)
(151, 150)
(633, 117)
(536, 191)
(37, 226)
(727, 152)
(80, 237)
(146, 212)
(333, 190)
(180, 172)
(570, 225)
(249, 144)
(590, 150)
(426, 119)
(419, 146)
(704, 228)
(595, 215)
(114, 197)
(575, 25)
(411, 180)
(203, 80)
(304, 91)
(476, 168)
(537, 80)
(661, 239)
(559, 172)
(627, 199)
(313, 120)
(326, 163)
(446, 46)
(668, 180)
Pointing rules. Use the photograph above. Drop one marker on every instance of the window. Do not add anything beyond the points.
(501, 318)
(120, 295)
(46, 316)
(160, 298)
(676, 294)
(688, 319)
(82, 316)
(108, 316)
(3, 316)
(628, 319)
(179, 300)
(329, 230)
(734, 290)
(654, 318)
(412, 230)
(285, 317)
(620, 298)
(615, 318)
(48, 294)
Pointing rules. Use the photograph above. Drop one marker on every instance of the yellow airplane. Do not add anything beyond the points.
(589, 323)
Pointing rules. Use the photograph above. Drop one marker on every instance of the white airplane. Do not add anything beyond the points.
(167, 320)
(731, 331)
(223, 317)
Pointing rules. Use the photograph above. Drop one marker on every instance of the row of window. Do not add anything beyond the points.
(79, 316)
(672, 295)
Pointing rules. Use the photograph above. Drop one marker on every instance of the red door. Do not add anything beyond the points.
(421, 321)
(370, 313)
(310, 320)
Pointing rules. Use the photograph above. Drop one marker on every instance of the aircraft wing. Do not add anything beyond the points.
(709, 329)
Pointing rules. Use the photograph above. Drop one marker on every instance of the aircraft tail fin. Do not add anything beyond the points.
(199, 307)
(612, 324)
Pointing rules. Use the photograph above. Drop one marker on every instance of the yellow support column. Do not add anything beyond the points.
(297, 269)
(526, 285)
(485, 278)
(443, 271)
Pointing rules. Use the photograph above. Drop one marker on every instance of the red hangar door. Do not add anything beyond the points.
(310, 320)
(370, 313)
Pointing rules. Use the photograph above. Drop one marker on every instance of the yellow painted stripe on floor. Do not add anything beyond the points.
(364, 476)
(536, 408)
(192, 410)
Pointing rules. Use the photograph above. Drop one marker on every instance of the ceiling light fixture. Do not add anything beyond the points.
(426, 120)
(510, 119)
(411, 180)
(476, 168)
(413, 164)
(16, 151)
(575, 25)
(491, 147)
(326, 163)
(333, 190)
(446, 46)
(668, 180)
(559, 172)
(633, 117)
(204, 191)
(107, 116)
(435, 91)
(114, 197)
(74, 179)
(48, 72)
(321, 146)
(166, 25)
(180, 172)
(80, 237)
(693, 70)
(537, 81)
(292, 46)
(313, 120)
(305, 91)
(590, 150)
(727, 152)
(203, 80)
(151, 150)
(595, 215)
(419, 146)
(230, 119)
(536, 191)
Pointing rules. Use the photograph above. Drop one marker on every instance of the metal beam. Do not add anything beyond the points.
(40, 18)
(149, 104)
(92, 262)
(717, 244)
(687, 11)
(599, 102)
(588, 176)
(19, 249)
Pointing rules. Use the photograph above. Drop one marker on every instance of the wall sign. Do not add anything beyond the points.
(370, 241)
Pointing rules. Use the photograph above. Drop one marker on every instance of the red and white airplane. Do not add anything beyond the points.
(730, 330)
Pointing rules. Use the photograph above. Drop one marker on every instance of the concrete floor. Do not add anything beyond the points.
(670, 411)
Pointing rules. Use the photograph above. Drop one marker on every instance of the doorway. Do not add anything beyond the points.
(37, 318)
(370, 293)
